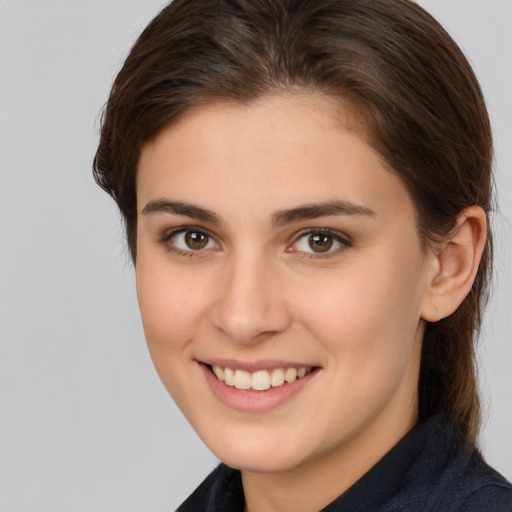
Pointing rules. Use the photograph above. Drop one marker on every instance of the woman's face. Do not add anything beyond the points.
(273, 242)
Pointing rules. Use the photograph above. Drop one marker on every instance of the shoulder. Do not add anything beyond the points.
(477, 488)
(488, 490)
(491, 497)
(221, 491)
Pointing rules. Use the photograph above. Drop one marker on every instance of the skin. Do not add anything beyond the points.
(258, 292)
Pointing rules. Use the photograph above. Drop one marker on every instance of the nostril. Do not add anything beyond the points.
(249, 326)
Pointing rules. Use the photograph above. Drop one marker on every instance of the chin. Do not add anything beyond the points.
(262, 462)
(270, 455)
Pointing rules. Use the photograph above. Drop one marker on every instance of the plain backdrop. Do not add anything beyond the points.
(85, 424)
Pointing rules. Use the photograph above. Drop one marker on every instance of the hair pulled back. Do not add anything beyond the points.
(420, 104)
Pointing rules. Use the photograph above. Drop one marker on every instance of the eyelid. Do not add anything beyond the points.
(169, 233)
(339, 237)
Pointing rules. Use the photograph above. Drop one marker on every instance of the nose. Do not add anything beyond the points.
(250, 305)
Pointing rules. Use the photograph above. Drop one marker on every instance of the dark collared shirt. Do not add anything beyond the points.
(427, 471)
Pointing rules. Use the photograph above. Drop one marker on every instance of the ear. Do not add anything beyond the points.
(453, 263)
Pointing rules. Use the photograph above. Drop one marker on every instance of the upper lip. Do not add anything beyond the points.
(256, 365)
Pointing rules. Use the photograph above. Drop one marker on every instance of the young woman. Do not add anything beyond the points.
(306, 188)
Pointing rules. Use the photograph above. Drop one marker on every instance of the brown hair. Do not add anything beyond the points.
(421, 105)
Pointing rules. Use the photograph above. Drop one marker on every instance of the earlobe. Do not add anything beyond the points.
(453, 265)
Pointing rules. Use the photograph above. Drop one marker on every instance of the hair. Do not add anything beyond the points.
(419, 101)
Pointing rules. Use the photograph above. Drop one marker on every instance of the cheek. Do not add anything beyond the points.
(368, 315)
(170, 302)
(171, 310)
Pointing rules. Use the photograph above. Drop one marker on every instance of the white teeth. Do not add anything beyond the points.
(219, 372)
(260, 380)
(277, 378)
(229, 376)
(290, 375)
(243, 380)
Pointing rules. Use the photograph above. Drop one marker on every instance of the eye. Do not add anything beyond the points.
(320, 242)
(190, 240)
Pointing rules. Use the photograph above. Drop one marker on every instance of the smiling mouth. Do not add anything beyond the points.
(260, 380)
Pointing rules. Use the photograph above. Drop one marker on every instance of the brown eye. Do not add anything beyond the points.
(190, 240)
(196, 240)
(320, 242)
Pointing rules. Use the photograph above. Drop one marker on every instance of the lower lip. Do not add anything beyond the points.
(254, 401)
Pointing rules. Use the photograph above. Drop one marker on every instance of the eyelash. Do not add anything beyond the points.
(168, 235)
(343, 240)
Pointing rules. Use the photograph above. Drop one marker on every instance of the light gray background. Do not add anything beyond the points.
(85, 424)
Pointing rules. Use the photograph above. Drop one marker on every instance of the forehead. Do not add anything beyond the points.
(277, 152)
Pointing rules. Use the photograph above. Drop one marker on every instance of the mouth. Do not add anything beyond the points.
(261, 380)
(257, 387)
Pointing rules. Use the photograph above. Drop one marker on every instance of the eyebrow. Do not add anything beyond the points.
(179, 208)
(279, 218)
(315, 210)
